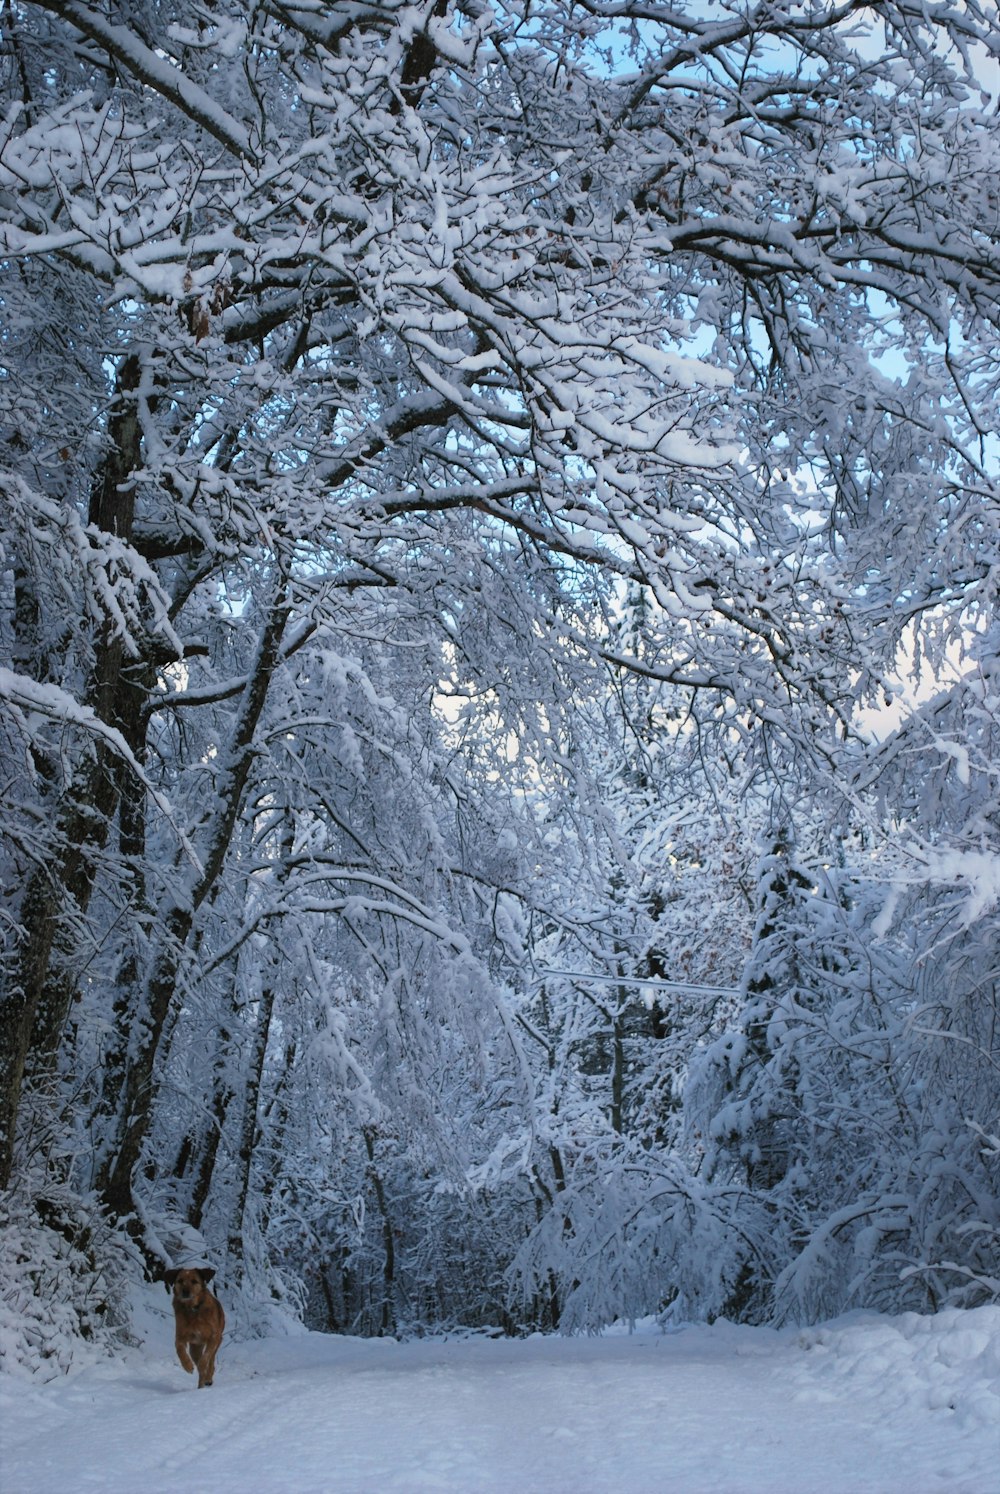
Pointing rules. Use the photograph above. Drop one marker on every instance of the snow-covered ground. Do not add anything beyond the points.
(905, 1405)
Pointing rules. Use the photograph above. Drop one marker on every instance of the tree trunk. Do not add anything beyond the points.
(249, 1125)
(115, 1181)
(33, 1013)
(223, 1095)
(387, 1308)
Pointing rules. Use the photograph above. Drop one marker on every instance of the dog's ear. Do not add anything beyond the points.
(206, 1273)
(169, 1277)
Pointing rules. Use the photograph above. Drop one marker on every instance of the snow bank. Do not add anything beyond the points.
(63, 1277)
(949, 1362)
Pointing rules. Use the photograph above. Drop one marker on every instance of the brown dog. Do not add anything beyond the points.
(198, 1319)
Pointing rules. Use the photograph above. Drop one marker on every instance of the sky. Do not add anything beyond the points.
(863, 1405)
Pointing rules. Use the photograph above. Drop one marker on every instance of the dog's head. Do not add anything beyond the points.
(189, 1284)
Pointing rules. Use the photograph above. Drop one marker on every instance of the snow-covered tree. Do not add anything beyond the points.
(388, 391)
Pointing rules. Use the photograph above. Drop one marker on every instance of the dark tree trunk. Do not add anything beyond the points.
(34, 1011)
(222, 1097)
(387, 1307)
(139, 1090)
(249, 1129)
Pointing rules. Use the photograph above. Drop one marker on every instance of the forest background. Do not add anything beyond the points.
(499, 684)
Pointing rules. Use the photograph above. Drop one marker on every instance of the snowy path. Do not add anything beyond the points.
(905, 1406)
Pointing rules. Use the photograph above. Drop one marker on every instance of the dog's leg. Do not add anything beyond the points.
(183, 1355)
(199, 1353)
(206, 1368)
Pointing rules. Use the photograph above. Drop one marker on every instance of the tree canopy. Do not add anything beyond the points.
(477, 482)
